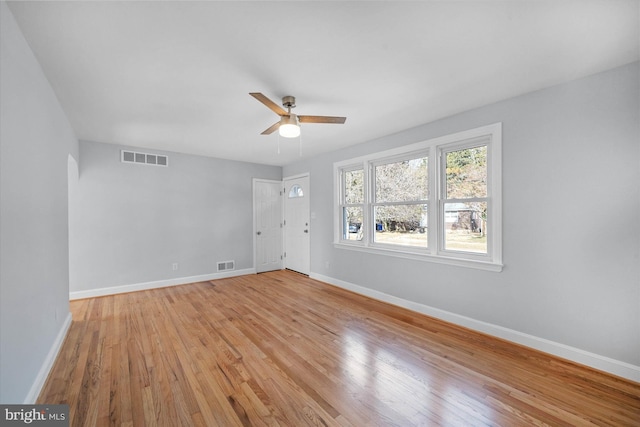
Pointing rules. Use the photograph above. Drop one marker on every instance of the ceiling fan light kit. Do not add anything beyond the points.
(289, 124)
(289, 127)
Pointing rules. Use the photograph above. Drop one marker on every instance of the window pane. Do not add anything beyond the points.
(401, 225)
(465, 227)
(402, 181)
(467, 173)
(296, 191)
(352, 220)
(354, 186)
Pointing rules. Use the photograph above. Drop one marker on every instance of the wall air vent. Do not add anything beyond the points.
(143, 158)
(226, 265)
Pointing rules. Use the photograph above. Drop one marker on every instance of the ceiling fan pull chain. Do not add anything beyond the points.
(300, 143)
(278, 143)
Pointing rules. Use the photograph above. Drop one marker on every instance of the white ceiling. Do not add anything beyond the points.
(176, 75)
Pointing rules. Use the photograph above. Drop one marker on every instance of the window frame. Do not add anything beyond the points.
(435, 149)
(343, 229)
(443, 199)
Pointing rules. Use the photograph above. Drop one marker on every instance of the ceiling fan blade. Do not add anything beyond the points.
(321, 119)
(271, 129)
(269, 103)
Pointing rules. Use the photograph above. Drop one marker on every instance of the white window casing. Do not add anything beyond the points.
(350, 237)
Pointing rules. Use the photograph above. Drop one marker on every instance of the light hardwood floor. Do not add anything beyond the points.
(282, 349)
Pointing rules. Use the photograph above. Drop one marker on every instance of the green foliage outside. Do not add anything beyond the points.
(403, 188)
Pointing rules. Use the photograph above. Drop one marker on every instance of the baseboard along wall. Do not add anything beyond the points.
(90, 293)
(43, 373)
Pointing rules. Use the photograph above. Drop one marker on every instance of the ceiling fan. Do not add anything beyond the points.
(288, 125)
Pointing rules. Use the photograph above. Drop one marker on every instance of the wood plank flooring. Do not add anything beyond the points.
(282, 349)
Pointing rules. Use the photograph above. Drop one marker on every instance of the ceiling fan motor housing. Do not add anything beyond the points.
(289, 101)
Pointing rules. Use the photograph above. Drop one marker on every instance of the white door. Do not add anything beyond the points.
(296, 224)
(267, 206)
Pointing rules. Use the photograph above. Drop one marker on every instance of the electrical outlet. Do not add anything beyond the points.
(174, 266)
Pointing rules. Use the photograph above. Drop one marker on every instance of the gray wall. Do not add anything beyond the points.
(131, 222)
(571, 206)
(35, 142)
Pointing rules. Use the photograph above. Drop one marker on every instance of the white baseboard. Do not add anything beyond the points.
(602, 363)
(99, 292)
(43, 373)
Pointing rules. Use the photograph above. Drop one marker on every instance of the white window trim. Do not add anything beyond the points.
(435, 253)
(340, 224)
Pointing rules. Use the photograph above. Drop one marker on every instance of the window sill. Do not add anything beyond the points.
(420, 256)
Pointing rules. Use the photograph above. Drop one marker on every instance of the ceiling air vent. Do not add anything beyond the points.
(226, 265)
(143, 158)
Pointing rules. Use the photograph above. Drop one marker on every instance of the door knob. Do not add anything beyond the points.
(259, 233)
(306, 231)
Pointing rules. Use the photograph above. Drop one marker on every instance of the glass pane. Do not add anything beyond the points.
(402, 181)
(354, 186)
(467, 173)
(296, 191)
(352, 223)
(466, 227)
(401, 225)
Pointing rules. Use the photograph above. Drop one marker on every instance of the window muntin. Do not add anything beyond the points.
(459, 205)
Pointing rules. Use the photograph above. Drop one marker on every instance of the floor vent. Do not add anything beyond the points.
(143, 158)
(226, 265)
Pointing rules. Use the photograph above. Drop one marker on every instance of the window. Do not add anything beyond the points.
(400, 201)
(437, 200)
(352, 203)
(465, 198)
(296, 191)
